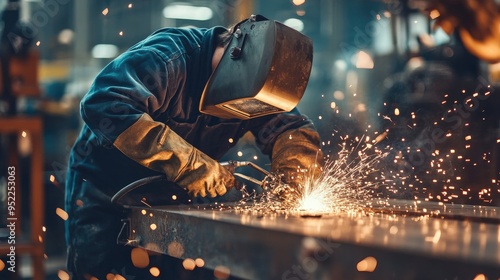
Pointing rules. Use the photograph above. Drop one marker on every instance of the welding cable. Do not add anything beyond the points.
(230, 165)
(136, 184)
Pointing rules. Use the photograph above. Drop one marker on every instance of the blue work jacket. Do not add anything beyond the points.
(163, 76)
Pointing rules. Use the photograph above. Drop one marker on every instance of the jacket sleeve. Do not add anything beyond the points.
(119, 110)
(137, 82)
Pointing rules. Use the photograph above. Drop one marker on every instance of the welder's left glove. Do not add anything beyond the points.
(297, 155)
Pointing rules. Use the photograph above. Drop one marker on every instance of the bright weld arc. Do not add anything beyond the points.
(342, 187)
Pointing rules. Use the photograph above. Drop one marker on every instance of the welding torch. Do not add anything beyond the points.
(229, 165)
(271, 183)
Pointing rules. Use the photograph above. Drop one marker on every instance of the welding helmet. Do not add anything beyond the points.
(264, 70)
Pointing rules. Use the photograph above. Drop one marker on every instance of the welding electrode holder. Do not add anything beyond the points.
(230, 165)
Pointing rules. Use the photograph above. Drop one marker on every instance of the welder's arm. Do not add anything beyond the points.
(297, 155)
(156, 146)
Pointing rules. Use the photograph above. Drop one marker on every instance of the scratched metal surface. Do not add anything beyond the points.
(407, 240)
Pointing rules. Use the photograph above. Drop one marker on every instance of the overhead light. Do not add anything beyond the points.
(340, 65)
(298, 2)
(104, 51)
(364, 61)
(186, 11)
(434, 14)
(66, 36)
(294, 23)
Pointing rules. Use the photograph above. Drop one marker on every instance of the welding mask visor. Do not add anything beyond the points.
(264, 70)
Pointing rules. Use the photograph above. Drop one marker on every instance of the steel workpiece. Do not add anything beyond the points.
(395, 240)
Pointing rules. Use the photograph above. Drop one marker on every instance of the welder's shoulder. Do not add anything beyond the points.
(172, 42)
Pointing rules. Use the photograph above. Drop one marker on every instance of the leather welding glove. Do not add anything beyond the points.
(296, 155)
(156, 146)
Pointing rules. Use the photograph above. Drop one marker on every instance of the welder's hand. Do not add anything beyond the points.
(156, 146)
(203, 175)
(287, 194)
(297, 157)
(477, 23)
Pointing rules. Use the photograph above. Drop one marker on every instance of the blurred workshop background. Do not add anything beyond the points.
(381, 71)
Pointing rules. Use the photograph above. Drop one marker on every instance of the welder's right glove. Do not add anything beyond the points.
(156, 146)
(297, 157)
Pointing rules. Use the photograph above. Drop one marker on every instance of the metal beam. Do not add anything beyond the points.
(400, 241)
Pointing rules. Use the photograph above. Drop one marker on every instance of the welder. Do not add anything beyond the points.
(170, 105)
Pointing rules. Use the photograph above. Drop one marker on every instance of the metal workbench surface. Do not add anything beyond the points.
(396, 240)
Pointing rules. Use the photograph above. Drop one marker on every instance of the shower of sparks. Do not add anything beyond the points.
(431, 157)
(345, 184)
(440, 153)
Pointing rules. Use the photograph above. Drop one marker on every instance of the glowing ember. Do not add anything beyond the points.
(139, 257)
(480, 277)
(298, 2)
(61, 213)
(119, 277)
(393, 230)
(199, 262)
(368, 264)
(434, 14)
(189, 264)
(155, 271)
(63, 275)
